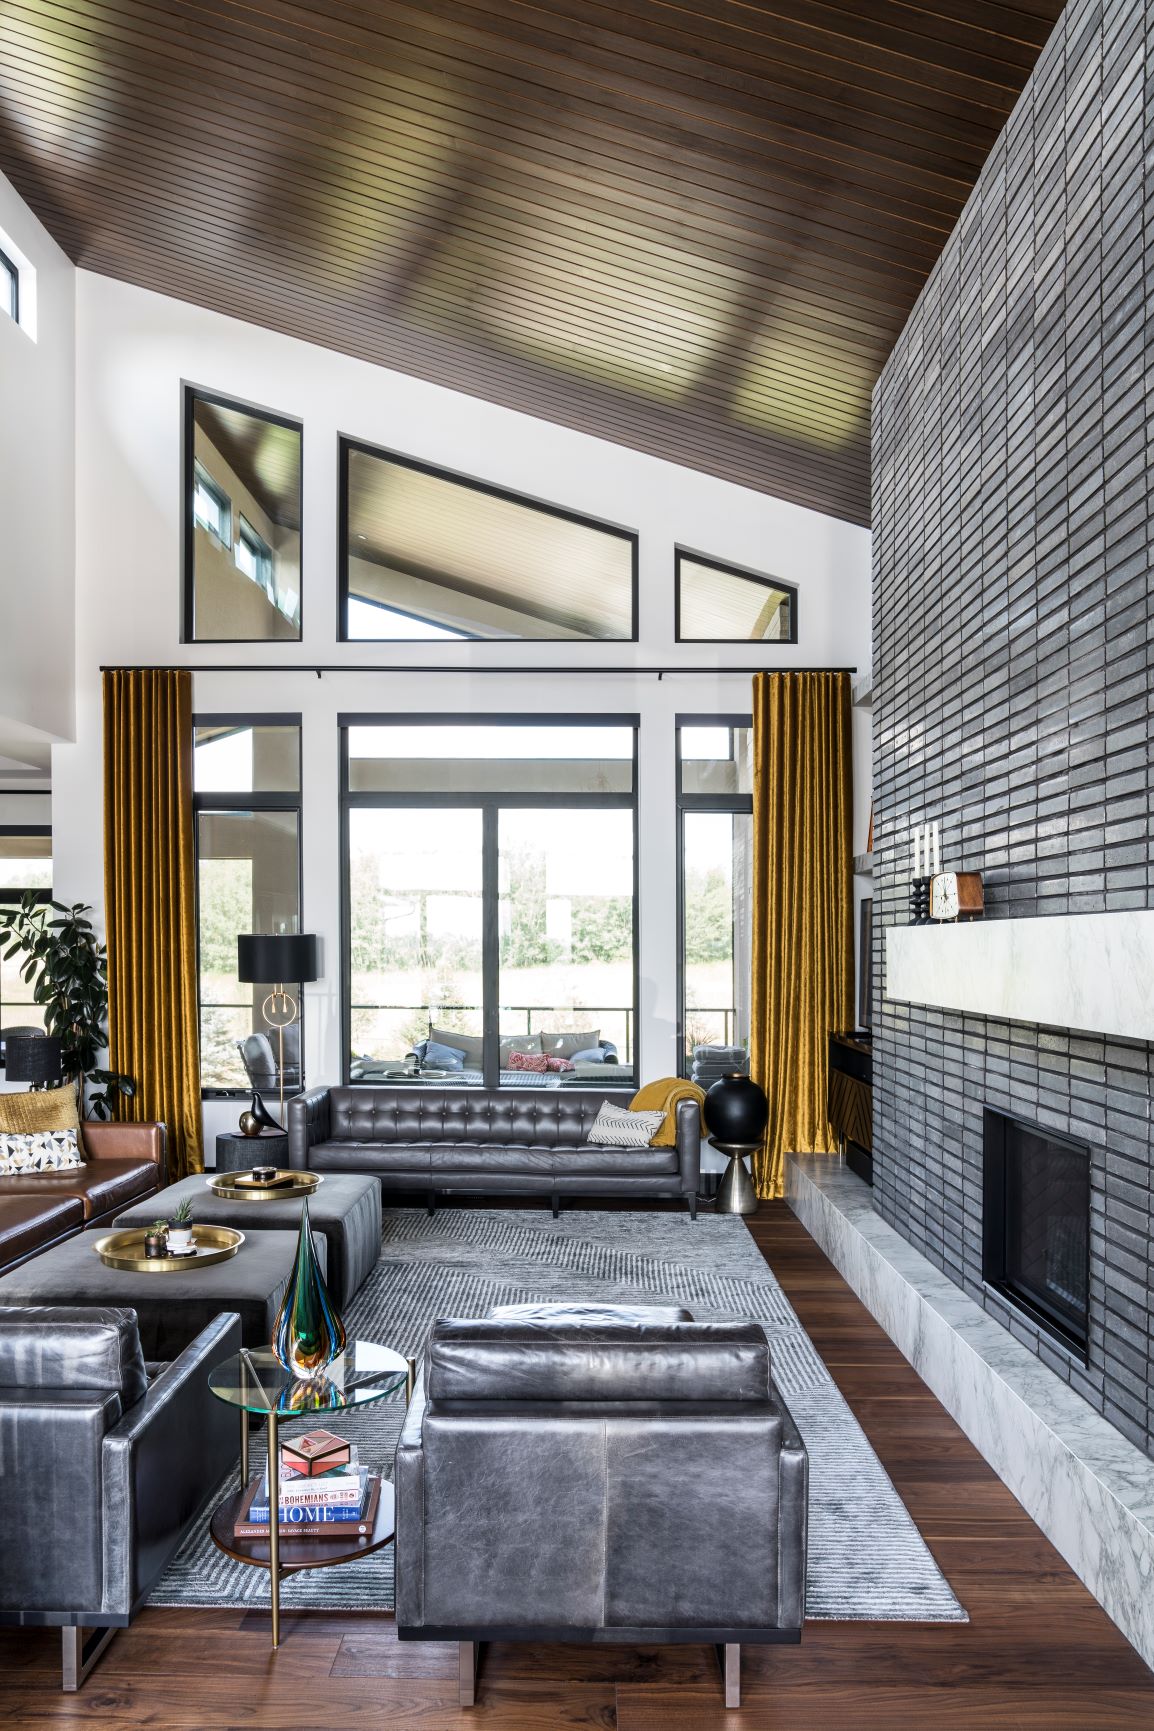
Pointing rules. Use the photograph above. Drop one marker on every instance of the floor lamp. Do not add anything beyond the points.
(287, 956)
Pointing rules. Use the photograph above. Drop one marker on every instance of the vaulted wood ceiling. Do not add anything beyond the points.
(694, 228)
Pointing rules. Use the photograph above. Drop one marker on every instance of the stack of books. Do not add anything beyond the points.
(317, 1499)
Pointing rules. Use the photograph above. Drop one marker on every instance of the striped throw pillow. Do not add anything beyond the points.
(616, 1127)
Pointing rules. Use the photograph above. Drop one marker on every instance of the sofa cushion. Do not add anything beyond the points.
(442, 1057)
(100, 1185)
(567, 1045)
(28, 1222)
(360, 1156)
(610, 1162)
(44, 1109)
(468, 1044)
(33, 1151)
(619, 1127)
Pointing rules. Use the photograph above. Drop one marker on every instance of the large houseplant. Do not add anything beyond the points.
(67, 967)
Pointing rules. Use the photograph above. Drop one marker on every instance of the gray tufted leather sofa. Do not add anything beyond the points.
(600, 1475)
(478, 1139)
(102, 1472)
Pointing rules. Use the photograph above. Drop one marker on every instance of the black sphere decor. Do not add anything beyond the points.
(736, 1110)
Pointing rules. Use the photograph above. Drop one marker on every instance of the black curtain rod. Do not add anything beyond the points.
(264, 667)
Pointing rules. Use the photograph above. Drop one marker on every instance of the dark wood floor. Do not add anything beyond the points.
(1037, 1655)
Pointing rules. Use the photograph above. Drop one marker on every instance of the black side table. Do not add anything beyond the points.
(237, 1153)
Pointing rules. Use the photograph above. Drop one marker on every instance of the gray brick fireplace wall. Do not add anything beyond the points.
(1014, 661)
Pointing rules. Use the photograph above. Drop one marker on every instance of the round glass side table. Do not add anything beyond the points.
(256, 1382)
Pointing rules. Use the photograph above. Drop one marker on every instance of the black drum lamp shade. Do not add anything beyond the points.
(289, 956)
(33, 1058)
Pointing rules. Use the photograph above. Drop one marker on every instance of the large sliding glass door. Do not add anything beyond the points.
(715, 881)
(565, 917)
(415, 912)
(491, 900)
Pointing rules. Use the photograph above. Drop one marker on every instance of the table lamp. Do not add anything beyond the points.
(34, 1058)
(285, 956)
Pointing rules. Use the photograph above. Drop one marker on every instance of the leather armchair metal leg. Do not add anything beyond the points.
(468, 1655)
(81, 1648)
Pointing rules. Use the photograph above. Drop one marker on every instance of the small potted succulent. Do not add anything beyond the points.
(156, 1239)
(180, 1241)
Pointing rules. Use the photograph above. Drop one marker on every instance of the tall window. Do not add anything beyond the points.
(432, 556)
(724, 604)
(715, 880)
(9, 287)
(243, 529)
(246, 781)
(25, 864)
(491, 900)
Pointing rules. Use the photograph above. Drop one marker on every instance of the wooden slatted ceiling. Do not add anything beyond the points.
(695, 229)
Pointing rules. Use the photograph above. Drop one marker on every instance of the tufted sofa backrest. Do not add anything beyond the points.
(550, 1118)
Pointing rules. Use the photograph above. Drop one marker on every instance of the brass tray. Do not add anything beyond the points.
(126, 1249)
(304, 1183)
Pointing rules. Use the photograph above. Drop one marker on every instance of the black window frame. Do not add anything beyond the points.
(490, 805)
(731, 570)
(736, 804)
(347, 444)
(242, 802)
(11, 272)
(191, 394)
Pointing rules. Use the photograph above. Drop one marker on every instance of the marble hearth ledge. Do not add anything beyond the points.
(1090, 1491)
(1093, 972)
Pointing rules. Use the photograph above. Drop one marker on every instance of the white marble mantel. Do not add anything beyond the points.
(1092, 972)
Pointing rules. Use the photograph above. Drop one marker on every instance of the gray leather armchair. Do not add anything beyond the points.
(600, 1475)
(102, 1472)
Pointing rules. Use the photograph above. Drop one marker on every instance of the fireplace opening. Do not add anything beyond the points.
(1036, 1225)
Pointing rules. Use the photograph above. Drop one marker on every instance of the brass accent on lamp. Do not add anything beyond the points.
(285, 956)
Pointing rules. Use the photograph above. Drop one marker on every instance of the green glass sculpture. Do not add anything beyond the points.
(308, 1333)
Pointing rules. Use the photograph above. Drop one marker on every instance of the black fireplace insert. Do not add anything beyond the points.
(1036, 1225)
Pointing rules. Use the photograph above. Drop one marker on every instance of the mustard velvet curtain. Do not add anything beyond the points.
(150, 903)
(802, 905)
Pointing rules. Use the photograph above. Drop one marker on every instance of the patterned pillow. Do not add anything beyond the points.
(535, 1061)
(559, 1064)
(615, 1127)
(37, 1151)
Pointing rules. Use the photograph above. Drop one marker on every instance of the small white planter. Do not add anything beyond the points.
(180, 1240)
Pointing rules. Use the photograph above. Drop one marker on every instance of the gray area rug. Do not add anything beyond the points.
(867, 1560)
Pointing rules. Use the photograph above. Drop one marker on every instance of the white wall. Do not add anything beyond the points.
(36, 492)
(134, 350)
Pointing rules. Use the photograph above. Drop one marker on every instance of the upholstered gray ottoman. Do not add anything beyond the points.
(345, 1211)
(171, 1309)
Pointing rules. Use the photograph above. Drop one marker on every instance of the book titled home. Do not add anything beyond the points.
(315, 1523)
(334, 1504)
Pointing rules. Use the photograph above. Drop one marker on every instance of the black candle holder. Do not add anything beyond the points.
(920, 901)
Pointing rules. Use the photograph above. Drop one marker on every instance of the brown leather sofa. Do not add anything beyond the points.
(124, 1163)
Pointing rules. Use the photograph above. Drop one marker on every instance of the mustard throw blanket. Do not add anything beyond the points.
(665, 1096)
